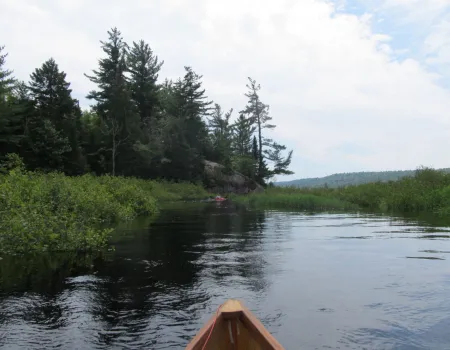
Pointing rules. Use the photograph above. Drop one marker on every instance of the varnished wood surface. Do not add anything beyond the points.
(236, 328)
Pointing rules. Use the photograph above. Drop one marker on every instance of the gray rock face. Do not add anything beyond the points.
(218, 181)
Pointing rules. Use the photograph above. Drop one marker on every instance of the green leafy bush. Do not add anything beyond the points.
(42, 212)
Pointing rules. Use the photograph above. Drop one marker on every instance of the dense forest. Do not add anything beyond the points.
(137, 126)
(350, 179)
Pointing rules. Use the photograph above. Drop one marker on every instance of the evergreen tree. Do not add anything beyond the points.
(186, 134)
(243, 129)
(51, 94)
(11, 111)
(94, 143)
(243, 161)
(255, 152)
(195, 108)
(258, 113)
(221, 135)
(7, 82)
(49, 146)
(192, 102)
(144, 68)
(55, 120)
(119, 120)
(136, 127)
(26, 103)
(281, 164)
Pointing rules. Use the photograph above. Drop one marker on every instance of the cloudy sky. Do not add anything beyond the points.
(353, 85)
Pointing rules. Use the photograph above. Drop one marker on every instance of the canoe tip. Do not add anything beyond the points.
(231, 305)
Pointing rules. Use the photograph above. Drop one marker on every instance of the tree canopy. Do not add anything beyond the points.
(138, 124)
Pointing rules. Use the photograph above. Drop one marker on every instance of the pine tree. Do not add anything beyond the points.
(255, 152)
(221, 135)
(49, 146)
(24, 100)
(52, 94)
(191, 100)
(55, 119)
(243, 129)
(11, 127)
(93, 142)
(258, 113)
(144, 68)
(6, 80)
(281, 164)
(186, 134)
(120, 123)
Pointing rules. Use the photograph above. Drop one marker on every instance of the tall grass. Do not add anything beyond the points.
(282, 199)
(166, 191)
(43, 212)
(427, 191)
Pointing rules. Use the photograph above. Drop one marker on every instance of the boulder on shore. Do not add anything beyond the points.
(221, 182)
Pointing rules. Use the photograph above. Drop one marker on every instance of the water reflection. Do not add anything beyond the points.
(152, 291)
(43, 274)
(315, 280)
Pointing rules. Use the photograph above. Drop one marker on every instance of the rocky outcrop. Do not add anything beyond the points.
(220, 182)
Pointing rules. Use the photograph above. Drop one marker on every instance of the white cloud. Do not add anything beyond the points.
(433, 18)
(437, 46)
(329, 78)
(418, 11)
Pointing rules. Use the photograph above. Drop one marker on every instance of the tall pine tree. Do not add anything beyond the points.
(258, 113)
(55, 119)
(243, 129)
(144, 68)
(221, 136)
(120, 122)
(186, 134)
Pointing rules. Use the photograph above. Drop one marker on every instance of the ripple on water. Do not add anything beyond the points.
(315, 281)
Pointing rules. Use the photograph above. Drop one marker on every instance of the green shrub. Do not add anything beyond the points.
(41, 212)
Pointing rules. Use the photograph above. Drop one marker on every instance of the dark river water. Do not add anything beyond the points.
(316, 281)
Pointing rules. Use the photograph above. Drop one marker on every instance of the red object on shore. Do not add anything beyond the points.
(220, 199)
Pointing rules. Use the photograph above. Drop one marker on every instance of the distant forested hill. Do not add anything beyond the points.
(345, 179)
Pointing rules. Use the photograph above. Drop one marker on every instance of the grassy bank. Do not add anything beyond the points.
(41, 212)
(427, 191)
(278, 198)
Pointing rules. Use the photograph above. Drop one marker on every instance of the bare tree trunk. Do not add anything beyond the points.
(114, 129)
(258, 118)
(113, 154)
